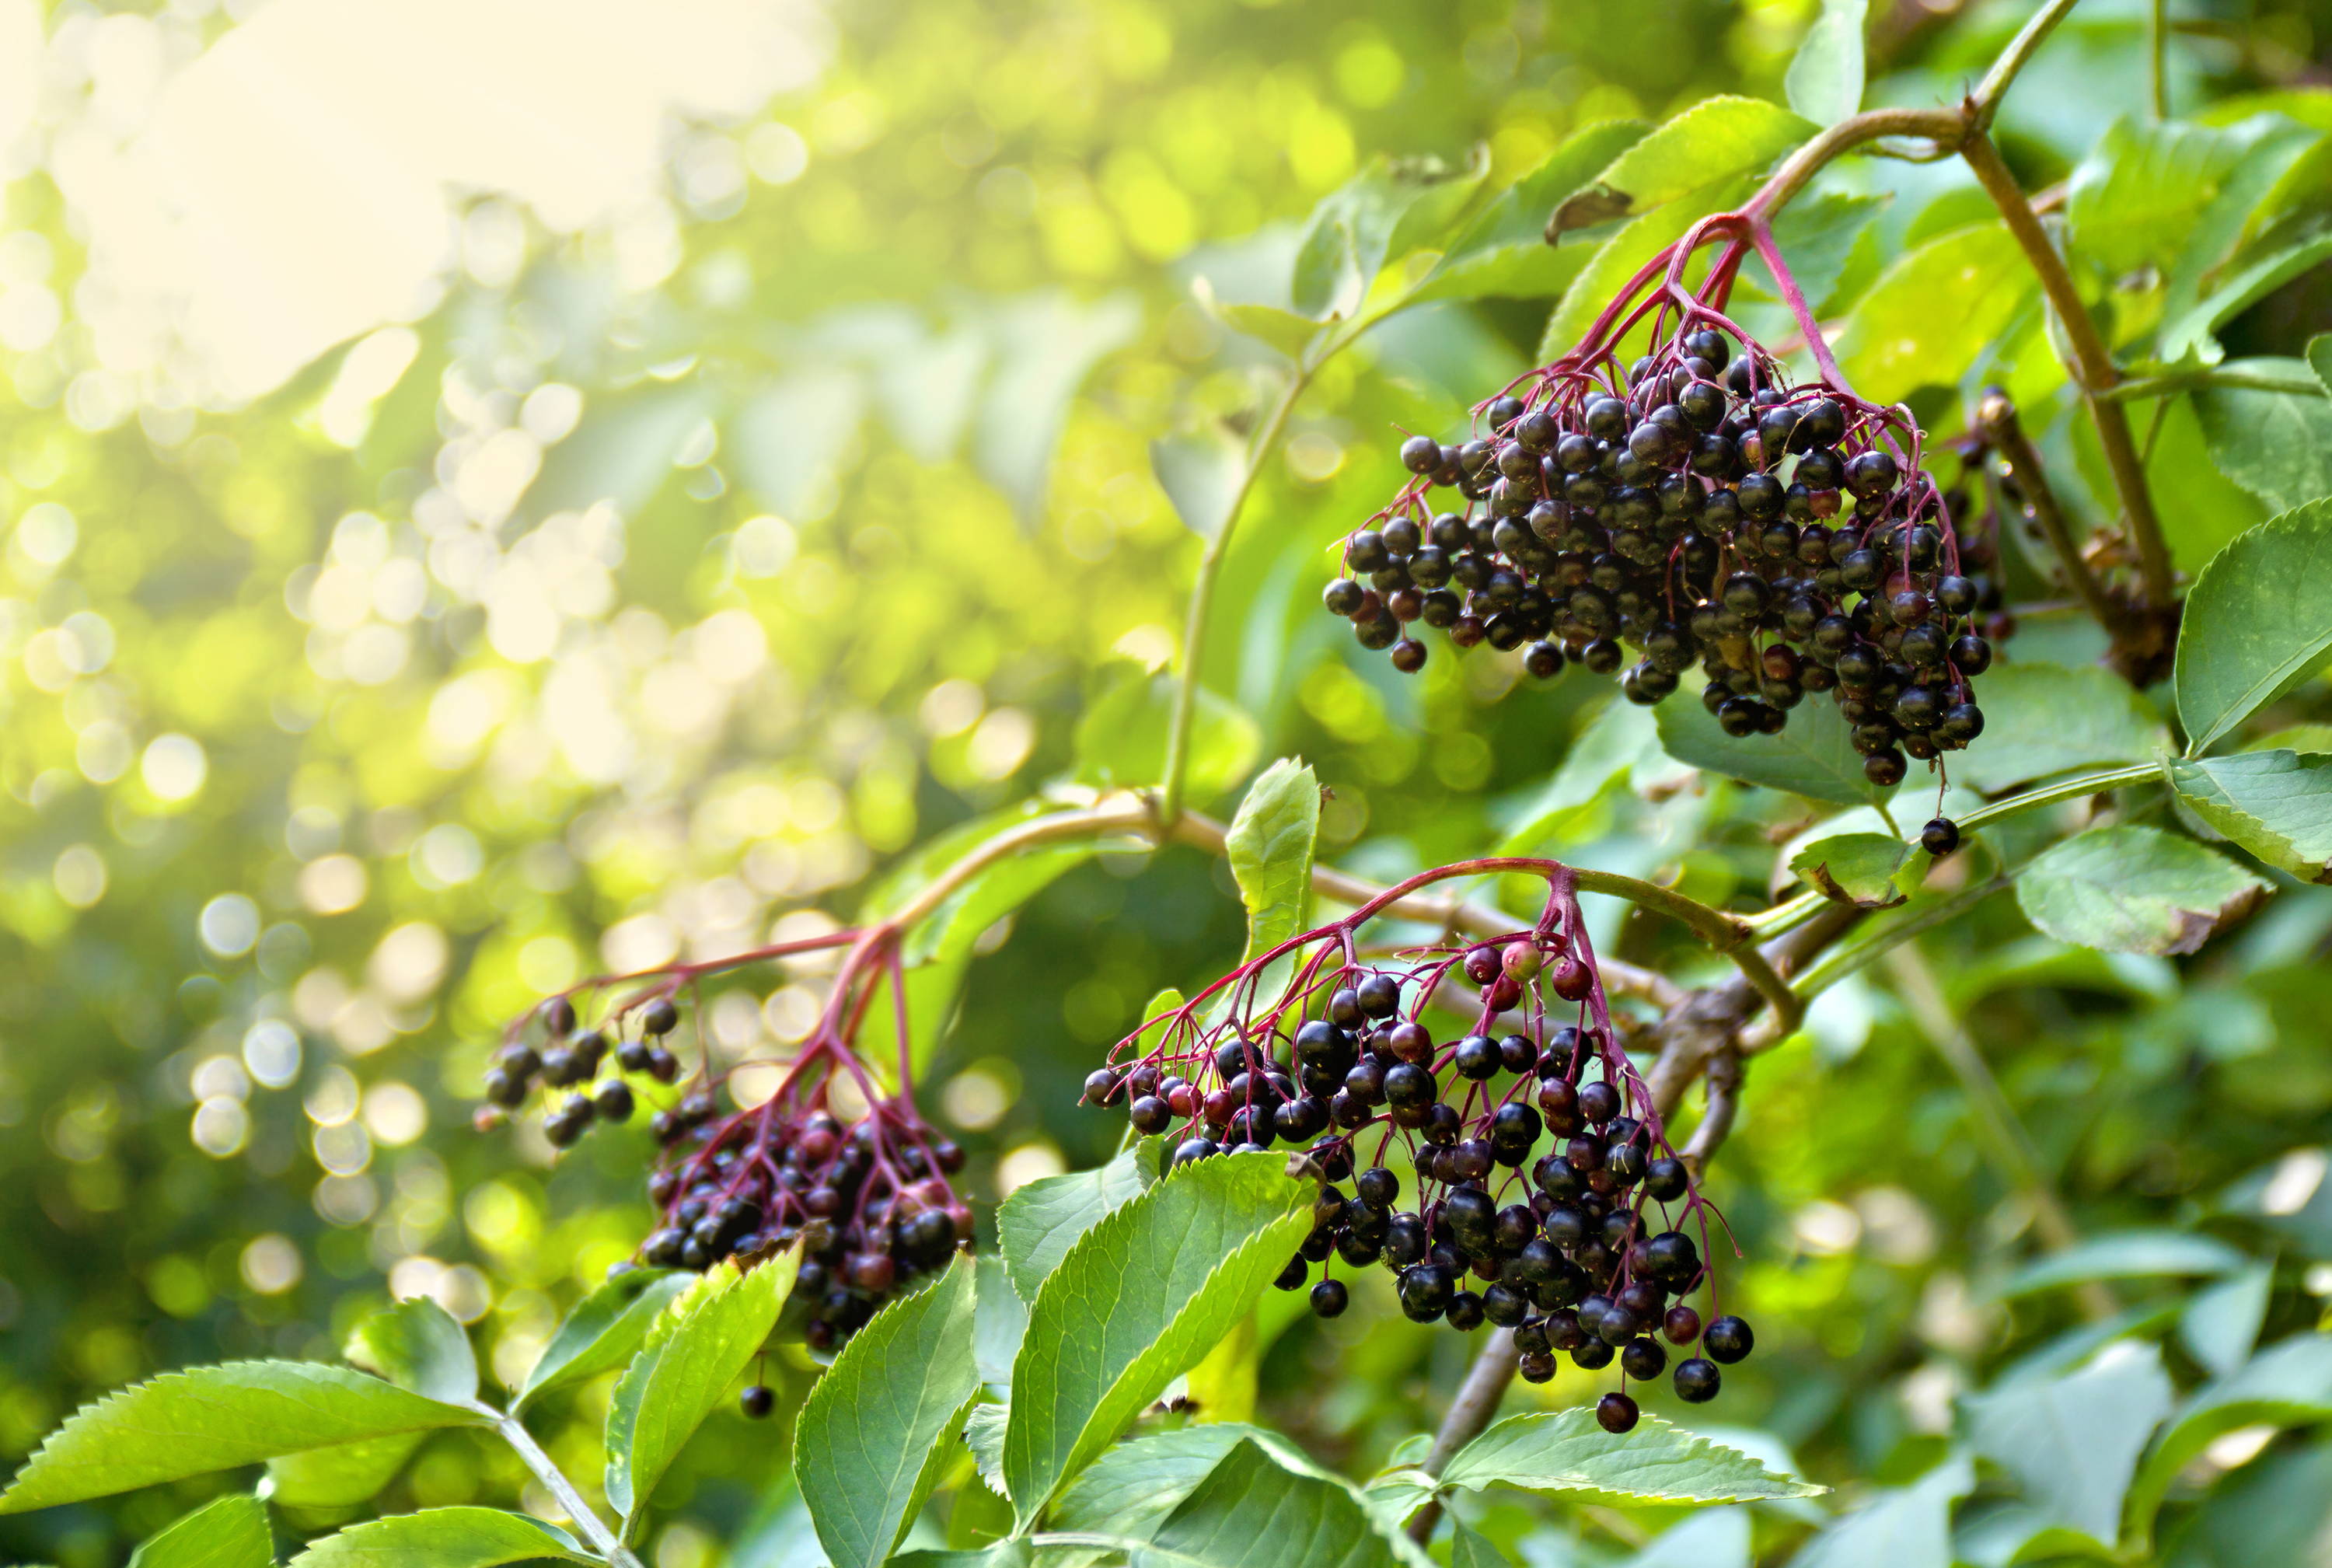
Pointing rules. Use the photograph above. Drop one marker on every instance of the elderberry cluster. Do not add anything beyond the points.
(1694, 510)
(869, 1201)
(865, 1192)
(1587, 1254)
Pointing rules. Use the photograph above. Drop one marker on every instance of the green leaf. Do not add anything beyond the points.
(231, 1533)
(694, 1352)
(2320, 359)
(338, 1478)
(2130, 889)
(1905, 1527)
(1596, 762)
(1121, 738)
(1932, 311)
(2278, 805)
(2220, 1326)
(445, 1538)
(2257, 623)
(1813, 757)
(2275, 444)
(1469, 1548)
(1285, 331)
(217, 1418)
(1042, 1220)
(1503, 251)
(1250, 1512)
(1855, 868)
(2124, 1255)
(2287, 1384)
(1567, 1451)
(1381, 214)
(1819, 234)
(2134, 199)
(983, 1434)
(1134, 1484)
(1269, 848)
(2041, 719)
(417, 1344)
(2190, 331)
(1824, 82)
(1202, 474)
(999, 1320)
(2073, 1443)
(1712, 1538)
(1715, 141)
(1047, 343)
(1139, 1298)
(875, 1431)
(604, 1329)
(1625, 253)
(2210, 248)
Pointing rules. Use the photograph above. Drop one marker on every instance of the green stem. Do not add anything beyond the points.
(1985, 99)
(2173, 381)
(1210, 567)
(595, 1536)
(2157, 61)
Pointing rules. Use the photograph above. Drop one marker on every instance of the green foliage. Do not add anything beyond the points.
(1824, 80)
(2072, 1443)
(2129, 889)
(1814, 757)
(1569, 1452)
(231, 1533)
(2275, 444)
(2125, 1255)
(870, 1439)
(693, 1355)
(1039, 1224)
(1249, 1511)
(2253, 630)
(1139, 1298)
(1121, 738)
(2041, 719)
(603, 1330)
(339, 1477)
(445, 1538)
(418, 1345)
(1931, 314)
(1269, 848)
(1906, 1526)
(1861, 869)
(2278, 805)
(215, 1418)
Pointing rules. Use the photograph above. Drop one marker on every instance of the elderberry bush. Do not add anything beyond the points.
(856, 1177)
(1697, 508)
(1541, 1193)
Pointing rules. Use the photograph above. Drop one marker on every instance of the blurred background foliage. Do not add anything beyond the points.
(755, 484)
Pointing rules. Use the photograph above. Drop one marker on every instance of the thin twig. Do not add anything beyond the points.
(1997, 417)
(554, 1480)
(2091, 364)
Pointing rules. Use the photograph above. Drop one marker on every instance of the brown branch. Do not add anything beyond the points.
(1470, 1414)
(1996, 416)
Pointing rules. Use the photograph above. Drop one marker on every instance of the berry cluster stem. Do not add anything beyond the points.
(588, 1524)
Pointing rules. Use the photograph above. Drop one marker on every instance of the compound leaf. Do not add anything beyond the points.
(1041, 1220)
(2257, 622)
(2278, 805)
(1568, 1451)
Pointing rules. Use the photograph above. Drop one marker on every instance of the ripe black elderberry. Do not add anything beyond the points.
(1698, 509)
(1545, 1198)
(758, 1401)
(1940, 837)
(1616, 1412)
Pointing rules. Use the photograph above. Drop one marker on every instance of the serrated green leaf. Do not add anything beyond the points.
(1389, 208)
(999, 1322)
(217, 1418)
(1042, 1220)
(1618, 258)
(2134, 199)
(1932, 311)
(1596, 762)
(1855, 868)
(693, 1353)
(983, 1434)
(1201, 473)
(1138, 1299)
(1716, 140)
(461, 1537)
(2132, 889)
(874, 1432)
(1814, 756)
(2190, 331)
(231, 1533)
(1285, 331)
(338, 1478)
(2210, 248)
(1820, 236)
(1269, 846)
(1121, 738)
(417, 1344)
(1503, 251)
(2124, 1255)
(603, 1330)
(2073, 1443)
(2041, 719)
(2278, 805)
(1568, 1451)
(2257, 623)
(2275, 444)
(1251, 1513)
(2320, 359)
(1907, 1527)
(1824, 82)
(2287, 1384)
